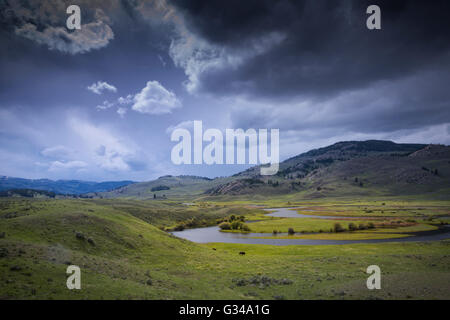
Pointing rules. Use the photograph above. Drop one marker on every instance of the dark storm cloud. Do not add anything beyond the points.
(320, 47)
(386, 107)
(314, 66)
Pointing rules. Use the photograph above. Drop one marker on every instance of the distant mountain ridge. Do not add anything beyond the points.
(75, 187)
(348, 168)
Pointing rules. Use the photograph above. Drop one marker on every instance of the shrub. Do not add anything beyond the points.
(274, 231)
(245, 227)
(291, 231)
(91, 241)
(370, 225)
(179, 227)
(352, 226)
(236, 225)
(362, 226)
(225, 226)
(79, 236)
(338, 227)
(160, 188)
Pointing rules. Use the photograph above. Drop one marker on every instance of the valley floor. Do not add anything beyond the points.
(123, 253)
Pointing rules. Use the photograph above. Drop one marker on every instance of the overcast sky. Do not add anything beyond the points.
(100, 103)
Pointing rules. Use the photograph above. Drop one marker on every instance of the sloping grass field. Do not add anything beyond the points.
(124, 253)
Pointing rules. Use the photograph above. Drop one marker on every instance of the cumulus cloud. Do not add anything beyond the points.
(152, 99)
(155, 99)
(100, 86)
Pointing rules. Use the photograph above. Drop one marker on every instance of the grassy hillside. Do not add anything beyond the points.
(166, 186)
(302, 164)
(129, 258)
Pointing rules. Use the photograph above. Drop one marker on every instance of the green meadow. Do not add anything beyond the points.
(124, 251)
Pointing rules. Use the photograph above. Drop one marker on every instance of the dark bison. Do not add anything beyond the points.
(242, 253)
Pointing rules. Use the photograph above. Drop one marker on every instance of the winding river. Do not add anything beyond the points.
(213, 234)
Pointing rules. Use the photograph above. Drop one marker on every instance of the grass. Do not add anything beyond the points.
(131, 249)
(311, 225)
(339, 236)
(414, 228)
(298, 224)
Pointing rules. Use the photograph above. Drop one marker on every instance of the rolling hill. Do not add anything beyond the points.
(166, 186)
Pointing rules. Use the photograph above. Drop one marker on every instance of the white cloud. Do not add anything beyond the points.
(59, 152)
(100, 86)
(436, 134)
(105, 105)
(189, 125)
(59, 165)
(155, 99)
(163, 62)
(121, 111)
(127, 100)
(107, 150)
